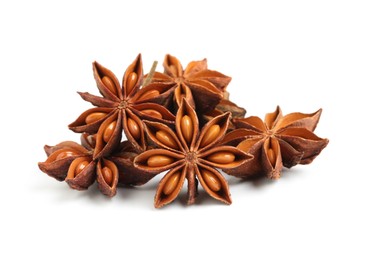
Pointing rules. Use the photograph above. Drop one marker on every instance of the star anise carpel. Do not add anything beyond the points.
(276, 142)
(190, 154)
(119, 108)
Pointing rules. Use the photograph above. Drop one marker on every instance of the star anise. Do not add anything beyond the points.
(119, 108)
(71, 162)
(200, 86)
(190, 154)
(278, 141)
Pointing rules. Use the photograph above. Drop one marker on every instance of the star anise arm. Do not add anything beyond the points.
(132, 78)
(172, 66)
(153, 112)
(109, 135)
(170, 186)
(224, 157)
(158, 160)
(81, 173)
(305, 142)
(213, 183)
(97, 101)
(90, 120)
(162, 136)
(107, 82)
(156, 92)
(272, 118)
(271, 158)
(195, 67)
(300, 120)
(107, 177)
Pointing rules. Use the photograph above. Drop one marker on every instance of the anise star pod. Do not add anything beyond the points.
(200, 86)
(190, 154)
(119, 108)
(278, 141)
(74, 164)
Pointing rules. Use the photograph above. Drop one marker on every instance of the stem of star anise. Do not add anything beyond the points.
(151, 73)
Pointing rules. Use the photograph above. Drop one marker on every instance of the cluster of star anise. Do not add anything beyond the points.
(180, 121)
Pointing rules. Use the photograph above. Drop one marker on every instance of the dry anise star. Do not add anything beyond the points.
(119, 108)
(201, 87)
(74, 163)
(190, 155)
(278, 141)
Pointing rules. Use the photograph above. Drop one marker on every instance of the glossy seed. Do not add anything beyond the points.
(152, 113)
(271, 156)
(187, 128)
(149, 94)
(210, 135)
(93, 117)
(108, 132)
(159, 160)
(211, 180)
(171, 183)
(107, 174)
(80, 167)
(166, 139)
(221, 157)
(131, 82)
(108, 82)
(133, 128)
(65, 154)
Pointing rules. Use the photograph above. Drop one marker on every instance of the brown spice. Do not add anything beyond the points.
(190, 154)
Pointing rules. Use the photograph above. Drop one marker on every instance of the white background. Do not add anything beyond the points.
(301, 55)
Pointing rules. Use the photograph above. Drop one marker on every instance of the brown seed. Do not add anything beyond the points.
(159, 160)
(166, 139)
(149, 94)
(93, 117)
(211, 180)
(107, 174)
(221, 157)
(271, 156)
(80, 167)
(171, 183)
(187, 128)
(108, 132)
(152, 113)
(65, 154)
(131, 82)
(210, 135)
(109, 83)
(133, 128)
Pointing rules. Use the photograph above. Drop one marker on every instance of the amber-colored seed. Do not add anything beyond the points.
(187, 128)
(221, 157)
(166, 139)
(93, 117)
(108, 82)
(134, 129)
(171, 183)
(149, 94)
(271, 156)
(80, 167)
(64, 154)
(107, 174)
(108, 132)
(131, 82)
(211, 180)
(159, 160)
(210, 135)
(152, 113)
